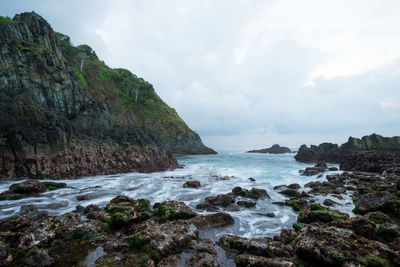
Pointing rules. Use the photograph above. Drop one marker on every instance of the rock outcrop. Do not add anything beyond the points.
(275, 149)
(61, 122)
(372, 153)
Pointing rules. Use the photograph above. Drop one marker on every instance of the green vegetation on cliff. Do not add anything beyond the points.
(132, 99)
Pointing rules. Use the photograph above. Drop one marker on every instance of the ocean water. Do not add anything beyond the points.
(268, 170)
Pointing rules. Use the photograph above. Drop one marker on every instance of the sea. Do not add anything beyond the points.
(218, 174)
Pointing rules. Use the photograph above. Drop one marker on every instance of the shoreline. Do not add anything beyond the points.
(203, 246)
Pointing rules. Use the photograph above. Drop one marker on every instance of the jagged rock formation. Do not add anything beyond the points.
(372, 153)
(57, 124)
(275, 149)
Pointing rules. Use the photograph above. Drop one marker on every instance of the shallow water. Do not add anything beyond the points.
(268, 170)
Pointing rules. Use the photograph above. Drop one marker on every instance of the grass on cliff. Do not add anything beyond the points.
(5, 20)
(131, 98)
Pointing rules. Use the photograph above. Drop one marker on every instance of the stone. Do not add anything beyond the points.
(223, 200)
(218, 219)
(247, 260)
(82, 198)
(203, 259)
(328, 202)
(192, 184)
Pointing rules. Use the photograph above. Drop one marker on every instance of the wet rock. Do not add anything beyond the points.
(223, 200)
(208, 207)
(24, 189)
(172, 210)
(282, 186)
(203, 259)
(333, 169)
(373, 201)
(286, 236)
(203, 245)
(247, 204)
(290, 192)
(254, 193)
(212, 220)
(329, 202)
(321, 164)
(178, 206)
(167, 238)
(311, 171)
(248, 260)
(238, 191)
(79, 208)
(294, 186)
(362, 226)
(378, 217)
(316, 245)
(31, 211)
(317, 213)
(270, 215)
(279, 203)
(251, 179)
(38, 257)
(192, 184)
(82, 198)
(170, 261)
(265, 247)
(94, 212)
(296, 204)
(232, 207)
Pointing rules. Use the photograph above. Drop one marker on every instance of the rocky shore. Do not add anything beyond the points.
(132, 232)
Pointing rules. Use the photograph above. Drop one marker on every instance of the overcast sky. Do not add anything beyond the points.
(251, 73)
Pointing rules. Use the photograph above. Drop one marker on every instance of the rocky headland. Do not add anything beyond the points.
(66, 114)
(275, 149)
(372, 153)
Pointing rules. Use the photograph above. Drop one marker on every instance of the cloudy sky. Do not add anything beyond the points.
(250, 73)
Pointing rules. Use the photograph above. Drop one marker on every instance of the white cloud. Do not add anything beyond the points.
(390, 102)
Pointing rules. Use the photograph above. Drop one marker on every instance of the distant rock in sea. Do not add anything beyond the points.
(275, 149)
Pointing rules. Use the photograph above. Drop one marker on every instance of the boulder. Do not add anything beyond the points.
(218, 219)
(223, 200)
(192, 184)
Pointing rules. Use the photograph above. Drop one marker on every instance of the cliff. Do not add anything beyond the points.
(60, 122)
(373, 153)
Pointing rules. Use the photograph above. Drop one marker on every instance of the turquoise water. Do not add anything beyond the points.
(268, 170)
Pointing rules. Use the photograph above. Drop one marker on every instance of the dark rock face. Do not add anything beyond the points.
(275, 149)
(378, 161)
(52, 127)
(327, 152)
(372, 153)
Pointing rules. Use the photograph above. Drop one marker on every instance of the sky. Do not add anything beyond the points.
(247, 74)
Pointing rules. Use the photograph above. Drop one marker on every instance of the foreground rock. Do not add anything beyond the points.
(275, 149)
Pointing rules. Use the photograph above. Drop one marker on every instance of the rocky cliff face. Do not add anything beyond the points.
(52, 127)
(373, 153)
